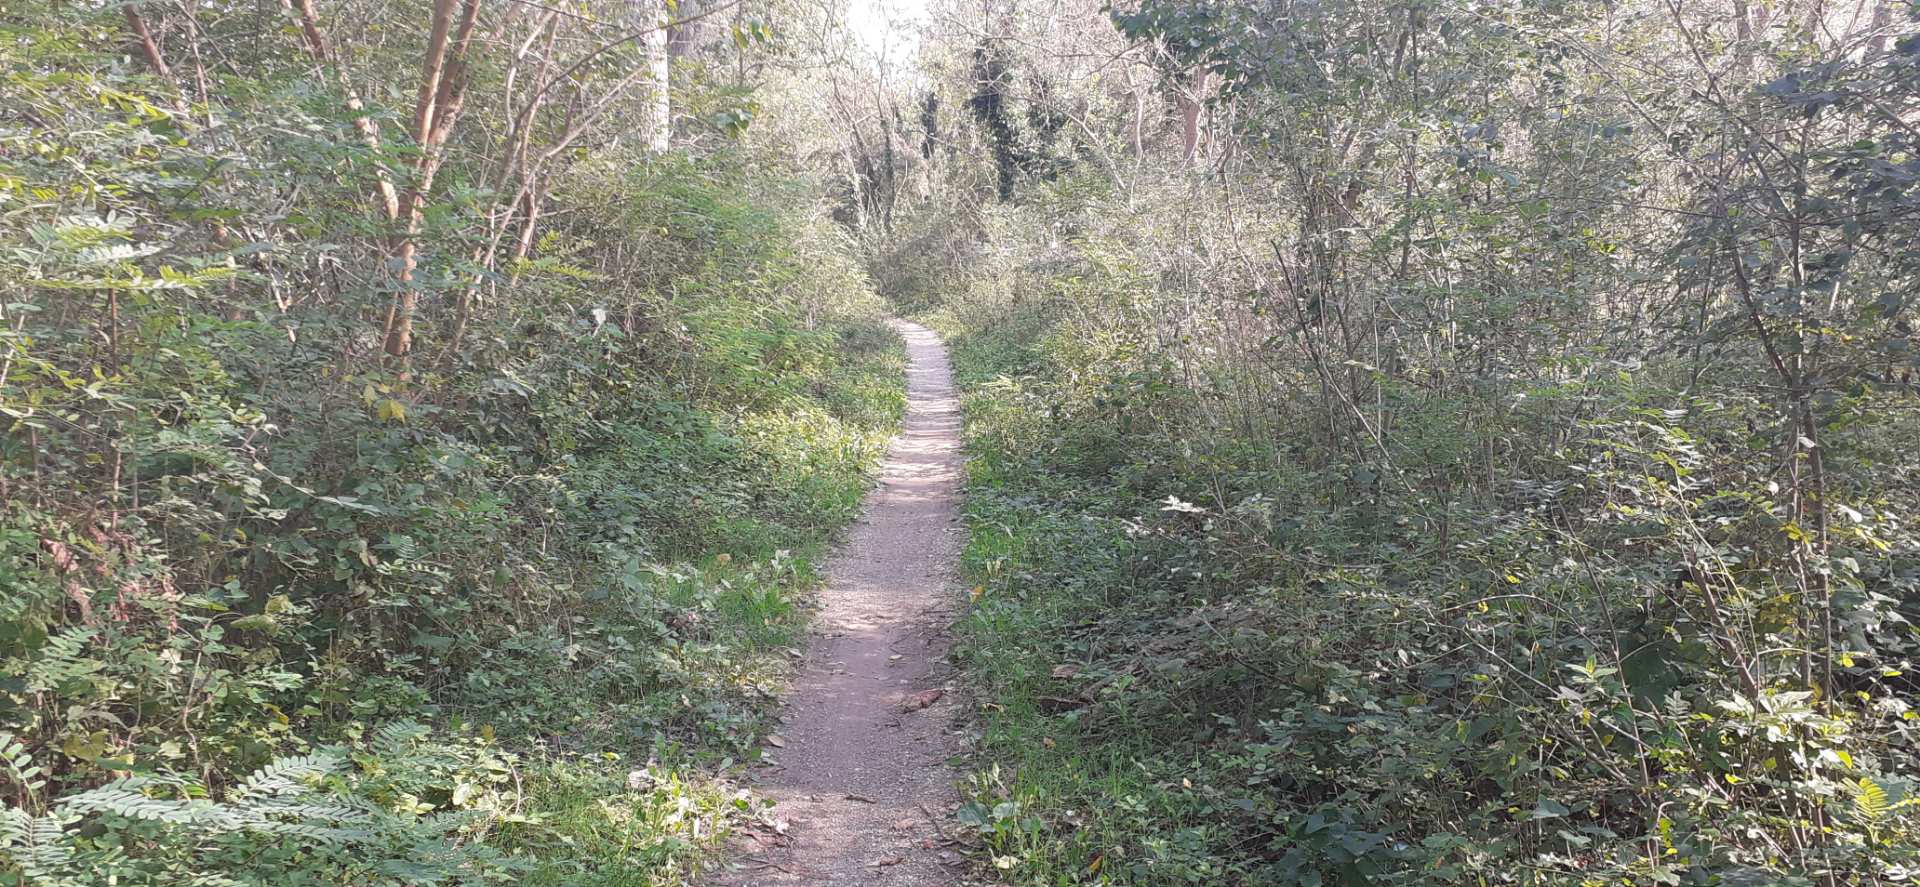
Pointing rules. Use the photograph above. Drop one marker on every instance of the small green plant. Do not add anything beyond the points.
(402, 806)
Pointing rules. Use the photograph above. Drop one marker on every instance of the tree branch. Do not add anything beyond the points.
(148, 48)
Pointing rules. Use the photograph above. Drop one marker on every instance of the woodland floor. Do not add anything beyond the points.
(859, 775)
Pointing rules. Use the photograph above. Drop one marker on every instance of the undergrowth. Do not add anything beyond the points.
(274, 609)
(1205, 659)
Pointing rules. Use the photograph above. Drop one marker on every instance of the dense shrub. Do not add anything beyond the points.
(1211, 663)
(246, 558)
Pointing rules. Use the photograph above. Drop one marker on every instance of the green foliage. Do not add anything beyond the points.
(400, 808)
(277, 609)
(1208, 665)
(1421, 443)
(605, 825)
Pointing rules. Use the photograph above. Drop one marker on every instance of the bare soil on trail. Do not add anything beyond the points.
(860, 780)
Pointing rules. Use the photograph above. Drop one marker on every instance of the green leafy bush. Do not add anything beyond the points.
(1210, 661)
(245, 555)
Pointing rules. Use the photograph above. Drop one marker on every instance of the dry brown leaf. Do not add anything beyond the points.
(922, 699)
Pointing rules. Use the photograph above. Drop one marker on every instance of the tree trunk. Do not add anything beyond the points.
(1882, 17)
(659, 101)
(690, 29)
(1191, 104)
(149, 49)
(321, 50)
(436, 110)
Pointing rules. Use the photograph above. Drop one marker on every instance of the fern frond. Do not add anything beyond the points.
(14, 823)
(38, 845)
(398, 738)
(1870, 801)
(138, 805)
(62, 659)
(291, 775)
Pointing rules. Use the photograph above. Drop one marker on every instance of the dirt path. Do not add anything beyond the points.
(861, 782)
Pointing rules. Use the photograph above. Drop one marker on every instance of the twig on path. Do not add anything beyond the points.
(935, 820)
(767, 864)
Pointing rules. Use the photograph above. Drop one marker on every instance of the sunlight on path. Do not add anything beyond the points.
(861, 782)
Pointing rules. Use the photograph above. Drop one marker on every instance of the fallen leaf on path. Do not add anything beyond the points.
(889, 860)
(776, 740)
(922, 699)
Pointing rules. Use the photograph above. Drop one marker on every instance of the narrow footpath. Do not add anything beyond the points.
(860, 777)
